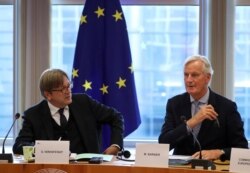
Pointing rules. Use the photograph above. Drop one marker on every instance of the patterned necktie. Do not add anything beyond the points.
(196, 129)
(63, 120)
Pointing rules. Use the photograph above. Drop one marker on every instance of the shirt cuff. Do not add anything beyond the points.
(189, 130)
(117, 146)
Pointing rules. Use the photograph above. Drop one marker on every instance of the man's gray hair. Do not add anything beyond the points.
(207, 68)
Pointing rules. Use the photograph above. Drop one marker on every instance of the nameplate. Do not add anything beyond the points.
(52, 151)
(240, 160)
(151, 155)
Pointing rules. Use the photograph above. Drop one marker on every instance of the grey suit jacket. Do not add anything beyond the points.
(228, 134)
(89, 116)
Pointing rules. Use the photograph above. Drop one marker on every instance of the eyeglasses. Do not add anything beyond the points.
(64, 89)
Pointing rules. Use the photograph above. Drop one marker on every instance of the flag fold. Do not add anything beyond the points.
(102, 65)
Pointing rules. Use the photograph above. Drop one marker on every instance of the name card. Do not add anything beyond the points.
(240, 160)
(152, 155)
(52, 151)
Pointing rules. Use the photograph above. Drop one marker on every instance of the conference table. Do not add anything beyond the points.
(115, 166)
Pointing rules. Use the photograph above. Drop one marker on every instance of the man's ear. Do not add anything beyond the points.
(209, 76)
(47, 95)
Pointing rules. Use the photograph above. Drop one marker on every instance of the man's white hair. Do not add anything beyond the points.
(207, 68)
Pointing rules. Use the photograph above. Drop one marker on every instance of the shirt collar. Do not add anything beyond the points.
(203, 99)
(54, 109)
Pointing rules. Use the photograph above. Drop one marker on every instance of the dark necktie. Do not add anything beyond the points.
(63, 120)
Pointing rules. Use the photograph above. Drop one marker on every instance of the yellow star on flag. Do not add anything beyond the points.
(99, 12)
(87, 85)
(104, 89)
(131, 68)
(117, 15)
(83, 19)
(75, 73)
(121, 82)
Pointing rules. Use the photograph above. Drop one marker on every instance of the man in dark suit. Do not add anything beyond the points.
(202, 114)
(66, 116)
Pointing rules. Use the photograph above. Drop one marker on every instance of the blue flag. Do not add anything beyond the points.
(103, 65)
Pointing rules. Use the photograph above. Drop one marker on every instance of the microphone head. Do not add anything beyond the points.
(126, 154)
(17, 115)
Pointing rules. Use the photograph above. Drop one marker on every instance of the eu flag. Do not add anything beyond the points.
(102, 64)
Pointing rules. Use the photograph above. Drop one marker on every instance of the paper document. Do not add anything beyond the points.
(179, 159)
(88, 156)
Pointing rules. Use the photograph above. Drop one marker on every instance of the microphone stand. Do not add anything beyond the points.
(8, 156)
(205, 164)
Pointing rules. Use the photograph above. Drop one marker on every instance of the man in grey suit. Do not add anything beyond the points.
(66, 116)
(201, 114)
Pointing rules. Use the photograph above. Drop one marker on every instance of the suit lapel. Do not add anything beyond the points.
(46, 119)
(186, 106)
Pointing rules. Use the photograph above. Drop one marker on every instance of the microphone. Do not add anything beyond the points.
(8, 157)
(199, 162)
(124, 153)
(217, 122)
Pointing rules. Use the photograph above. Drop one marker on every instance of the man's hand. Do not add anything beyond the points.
(205, 112)
(208, 154)
(113, 150)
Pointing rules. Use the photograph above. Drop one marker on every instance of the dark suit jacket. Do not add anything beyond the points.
(229, 134)
(89, 115)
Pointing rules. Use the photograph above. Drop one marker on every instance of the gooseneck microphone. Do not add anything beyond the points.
(124, 153)
(206, 164)
(8, 157)
(198, 143)
(183, 118)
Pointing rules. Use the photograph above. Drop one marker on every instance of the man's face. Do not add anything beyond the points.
(61, 96)
(196, 80)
